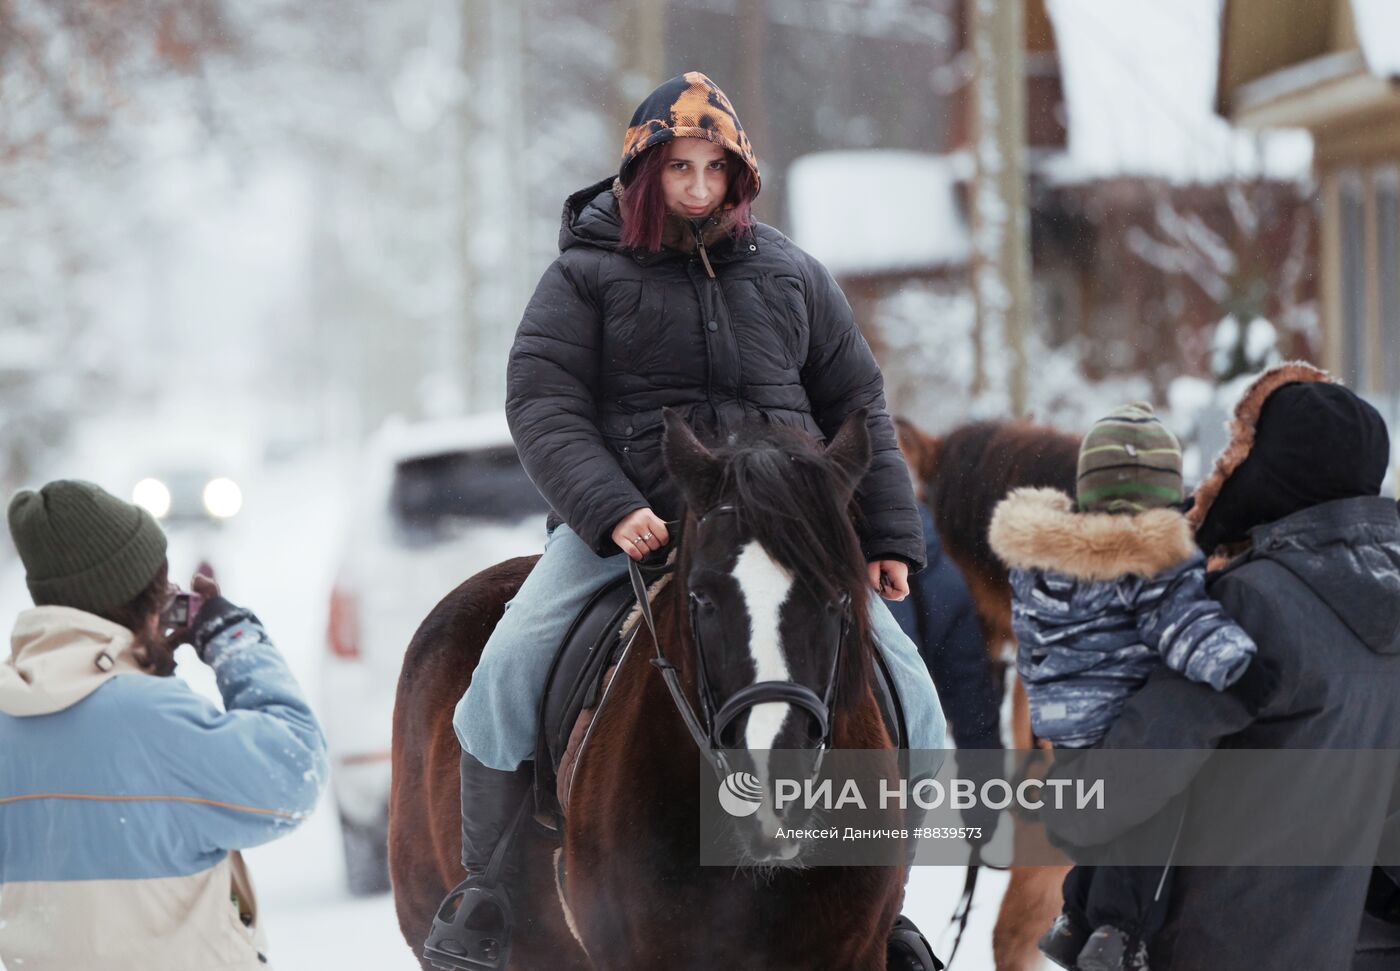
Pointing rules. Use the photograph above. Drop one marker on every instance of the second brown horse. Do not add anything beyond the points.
(965, 473)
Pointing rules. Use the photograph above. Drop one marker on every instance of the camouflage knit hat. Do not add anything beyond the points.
(687, 106)
(1129, 462)
(83, 547)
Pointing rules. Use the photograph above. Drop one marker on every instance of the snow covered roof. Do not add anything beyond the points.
(1378, 29)
(878, 211)
(1139, 81)
(1329, 59)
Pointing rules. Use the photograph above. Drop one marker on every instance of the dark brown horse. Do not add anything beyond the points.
(762, 568)
(965, 474)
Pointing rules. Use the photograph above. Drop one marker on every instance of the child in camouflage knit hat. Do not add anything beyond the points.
(1105, 589)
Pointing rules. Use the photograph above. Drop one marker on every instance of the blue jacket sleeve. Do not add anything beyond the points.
(254, 771)
(1190, 630)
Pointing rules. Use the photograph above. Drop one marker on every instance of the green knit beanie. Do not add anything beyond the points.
(1129, 462)
(83, 547)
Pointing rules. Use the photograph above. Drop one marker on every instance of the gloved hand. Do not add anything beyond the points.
(1258, 685)
(215, 616)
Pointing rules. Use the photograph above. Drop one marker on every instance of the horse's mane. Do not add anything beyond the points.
(975, 467)
(788, 496)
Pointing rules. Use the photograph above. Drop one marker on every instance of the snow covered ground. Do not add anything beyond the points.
(277, 557)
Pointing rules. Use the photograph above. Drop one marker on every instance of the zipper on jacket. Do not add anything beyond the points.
(716, 302)
(704, 253)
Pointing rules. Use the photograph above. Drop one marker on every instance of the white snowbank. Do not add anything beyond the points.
(877, 211)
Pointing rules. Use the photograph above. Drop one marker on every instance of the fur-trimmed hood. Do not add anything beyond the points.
(1039, 529)
(1243, 424)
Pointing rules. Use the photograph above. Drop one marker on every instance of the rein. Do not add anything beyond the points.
(707, 728)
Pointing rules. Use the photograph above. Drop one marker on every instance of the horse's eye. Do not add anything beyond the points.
(702, 600)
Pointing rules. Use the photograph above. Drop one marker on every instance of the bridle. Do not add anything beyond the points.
(707, 728)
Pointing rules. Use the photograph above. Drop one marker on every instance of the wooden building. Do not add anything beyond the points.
(1333, 67)
(1135, 271)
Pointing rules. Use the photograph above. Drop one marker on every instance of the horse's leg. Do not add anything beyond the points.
(1033, 899)
(1031, 904)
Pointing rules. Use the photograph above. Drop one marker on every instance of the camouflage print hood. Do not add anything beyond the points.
(687, 106)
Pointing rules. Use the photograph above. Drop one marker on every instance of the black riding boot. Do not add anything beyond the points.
(908, 950)
(471, 930)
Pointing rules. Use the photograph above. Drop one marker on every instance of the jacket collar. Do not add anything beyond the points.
(681, 235)
(59, 656)
(1039, 529)
(592, 218)
(1327, 522)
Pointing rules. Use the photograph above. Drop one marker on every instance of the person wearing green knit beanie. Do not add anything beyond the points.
(111, 754)
(84, 548)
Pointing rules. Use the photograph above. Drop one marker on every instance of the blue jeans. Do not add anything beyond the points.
(497, 719)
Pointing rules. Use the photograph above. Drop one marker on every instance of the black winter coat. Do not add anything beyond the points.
(612, 336)
(1320, 595)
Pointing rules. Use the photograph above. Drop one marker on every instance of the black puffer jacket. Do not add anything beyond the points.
(612, 336)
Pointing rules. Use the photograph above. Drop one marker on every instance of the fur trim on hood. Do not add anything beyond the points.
(1039, 529)
(1242, 426)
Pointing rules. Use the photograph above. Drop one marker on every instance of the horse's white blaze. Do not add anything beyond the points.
(765, 586)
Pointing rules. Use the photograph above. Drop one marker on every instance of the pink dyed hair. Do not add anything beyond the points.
(643, 202)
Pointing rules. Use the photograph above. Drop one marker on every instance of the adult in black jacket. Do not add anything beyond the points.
(666, 294)
(1315, 581)
(724, 323)
(940, 617)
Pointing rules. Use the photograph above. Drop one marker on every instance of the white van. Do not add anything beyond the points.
(438, 502)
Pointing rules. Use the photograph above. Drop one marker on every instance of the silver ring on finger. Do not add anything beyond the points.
(638, 539)
(648, 537)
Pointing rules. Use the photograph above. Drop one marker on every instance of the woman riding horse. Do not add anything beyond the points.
(667, 293)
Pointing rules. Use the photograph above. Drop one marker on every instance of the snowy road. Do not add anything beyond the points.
(277, 558)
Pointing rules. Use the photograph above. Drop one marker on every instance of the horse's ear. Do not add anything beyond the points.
(696, 472)
(849, 449)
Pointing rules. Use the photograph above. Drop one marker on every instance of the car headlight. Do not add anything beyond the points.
(222, 498)
(153, 496)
